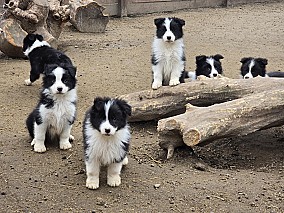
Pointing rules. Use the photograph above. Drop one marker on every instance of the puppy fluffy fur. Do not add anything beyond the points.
(106, 140)
(55, 112)
(168, 58)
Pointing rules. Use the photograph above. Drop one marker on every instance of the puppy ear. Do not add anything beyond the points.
(39, 37)
(158, 21)
(125, 107)
(200, 58)
(263, 61)
(69, 68)
(31, 37)
(244, 60)
(180, 21)
(48, 68)
(217, 57)
(98, 104)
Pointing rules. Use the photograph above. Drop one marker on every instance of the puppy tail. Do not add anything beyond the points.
(30, 124)
(276, 74)
(190, 75)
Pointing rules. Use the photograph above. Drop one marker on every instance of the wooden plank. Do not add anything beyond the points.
(151, 7)
(122, 8)
(238, 2)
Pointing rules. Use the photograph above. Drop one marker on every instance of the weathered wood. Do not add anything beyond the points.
(87, 16)
(168, 101)
(234, 118)
(43, 17)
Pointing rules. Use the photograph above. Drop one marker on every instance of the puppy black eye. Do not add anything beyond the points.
(65, 81)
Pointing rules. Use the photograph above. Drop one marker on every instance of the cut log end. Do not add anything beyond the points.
(191, 137)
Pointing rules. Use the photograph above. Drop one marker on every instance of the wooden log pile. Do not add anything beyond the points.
(203, 111)
(46, 17)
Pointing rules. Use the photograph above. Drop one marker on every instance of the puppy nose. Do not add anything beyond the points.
(246, 77)
(169, 37)
(107, 131)
(59, 89)
(215, 74)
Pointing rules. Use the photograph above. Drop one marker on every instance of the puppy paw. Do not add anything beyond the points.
(92, 183)
(125, 161)
(156, 85)
(28, 82)
(65, 145)
(114, 180)
(174, 82)
(38, 146)
(71, 138)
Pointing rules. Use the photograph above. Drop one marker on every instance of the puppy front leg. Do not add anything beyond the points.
(93, 173)
(64, 138)
(176, 74)
(113, 174)
(39, 137)
(157, 76)
(34, 75)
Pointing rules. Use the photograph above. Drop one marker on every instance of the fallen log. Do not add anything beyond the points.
(234, 118)
(168, 101)
(87, 16)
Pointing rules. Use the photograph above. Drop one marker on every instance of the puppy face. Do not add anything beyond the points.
(109, 115)
(169, 29)
(209, 66)
(59, 79)
(253, 67)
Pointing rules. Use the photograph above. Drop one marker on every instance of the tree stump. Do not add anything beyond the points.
(87, 16)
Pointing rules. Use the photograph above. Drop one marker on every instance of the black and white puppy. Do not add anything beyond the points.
(106, 140)
(40, 53)
(168, 57)
(209, 66)
(55, 113)
(253, 67)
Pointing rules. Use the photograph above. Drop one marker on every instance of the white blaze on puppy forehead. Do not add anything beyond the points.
(58, 86)
(249, 74)
(252, 63)
(168, 36)
(213, 70)
(106, 127)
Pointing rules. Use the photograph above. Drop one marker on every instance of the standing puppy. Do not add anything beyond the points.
(55, 113)
(209, 66)
(168, 58)
(106, 140)
(40, 54)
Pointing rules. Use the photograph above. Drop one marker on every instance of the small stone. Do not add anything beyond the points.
(156, 186)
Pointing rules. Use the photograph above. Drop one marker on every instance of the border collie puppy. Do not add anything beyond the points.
(106, 140)
(55, 113)
(40, 53)
(209, 66)
(168, 58)
(253, 67)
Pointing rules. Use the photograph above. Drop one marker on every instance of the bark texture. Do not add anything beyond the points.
(168, 101)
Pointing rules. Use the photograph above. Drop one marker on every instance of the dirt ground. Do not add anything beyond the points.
(239, 174)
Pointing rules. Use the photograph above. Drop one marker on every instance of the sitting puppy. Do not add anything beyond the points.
(55, 113)
(168, 58)
(209, 66)
(106, 140)
(40, 54)
(253, 67)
